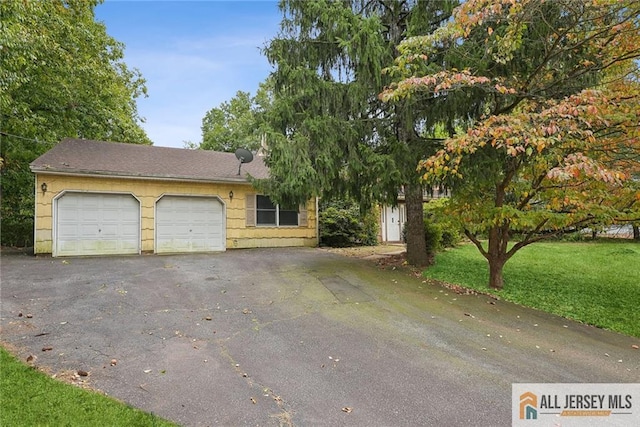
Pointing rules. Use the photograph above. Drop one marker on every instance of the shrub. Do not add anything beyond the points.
(432, 235)
(342, 225)
(450, 230)
(439, 230)
(17, 231)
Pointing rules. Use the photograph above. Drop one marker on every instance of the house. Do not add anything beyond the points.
(107, 198)
(392, 218)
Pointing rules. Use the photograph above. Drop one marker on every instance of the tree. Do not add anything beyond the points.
(237, 123)
(556, 86)
(61, 76)
(331, 136)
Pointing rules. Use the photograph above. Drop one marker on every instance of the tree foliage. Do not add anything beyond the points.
(61, 75)
(238, 123)
(553, 141)
(331, 136)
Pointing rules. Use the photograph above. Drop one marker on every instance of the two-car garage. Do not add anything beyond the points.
(88, 223)
(110, 198)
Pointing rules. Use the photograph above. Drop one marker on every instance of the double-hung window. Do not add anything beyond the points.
(261, 211)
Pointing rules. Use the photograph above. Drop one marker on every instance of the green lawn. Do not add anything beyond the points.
(594, 282)
(30, 398)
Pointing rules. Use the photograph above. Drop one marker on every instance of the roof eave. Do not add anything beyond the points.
(98, 174)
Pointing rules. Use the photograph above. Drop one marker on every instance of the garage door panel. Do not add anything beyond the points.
(189, 224)
(109, 231)
(68, 246)
(89, 215)
(88, 229)
(130, 230)
(97, 224)
(129, 217)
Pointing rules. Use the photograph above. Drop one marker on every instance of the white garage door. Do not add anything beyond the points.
(97, 224)
(189, 224)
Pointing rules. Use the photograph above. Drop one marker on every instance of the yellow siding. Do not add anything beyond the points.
(238, 235)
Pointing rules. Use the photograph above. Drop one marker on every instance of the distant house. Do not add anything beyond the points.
(108, 198)
(392, 218)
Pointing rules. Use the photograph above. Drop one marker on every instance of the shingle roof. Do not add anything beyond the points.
(86, 157)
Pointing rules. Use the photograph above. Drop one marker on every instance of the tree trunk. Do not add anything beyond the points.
(497, 254)
(496, 264)
(416, 245)
(636, 231)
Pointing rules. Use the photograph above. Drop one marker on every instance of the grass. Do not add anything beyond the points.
(30, 398)
(597, 283)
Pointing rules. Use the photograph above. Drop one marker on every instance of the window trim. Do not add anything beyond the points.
(252, 214)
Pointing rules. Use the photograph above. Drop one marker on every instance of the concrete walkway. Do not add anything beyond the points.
(292, 337)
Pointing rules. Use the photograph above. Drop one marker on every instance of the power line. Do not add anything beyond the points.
(37, 141)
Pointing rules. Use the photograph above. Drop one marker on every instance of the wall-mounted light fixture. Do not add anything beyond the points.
(43, 187)
(231, 195)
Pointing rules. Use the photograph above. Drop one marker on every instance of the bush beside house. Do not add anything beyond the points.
(343, 225)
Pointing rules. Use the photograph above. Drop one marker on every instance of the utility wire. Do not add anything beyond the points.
(38, 141)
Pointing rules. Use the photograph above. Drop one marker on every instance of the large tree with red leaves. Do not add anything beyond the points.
(547, 140)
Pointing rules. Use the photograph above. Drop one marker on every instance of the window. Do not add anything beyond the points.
(268, 213)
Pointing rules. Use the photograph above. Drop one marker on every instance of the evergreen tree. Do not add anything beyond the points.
(330, 133)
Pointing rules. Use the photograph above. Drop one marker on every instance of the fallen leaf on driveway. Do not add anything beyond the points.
(83, 373)
(253, 400)
(47, 348)
(347, 409)
(246, 311)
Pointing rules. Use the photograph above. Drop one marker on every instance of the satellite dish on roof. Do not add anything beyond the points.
(244, 156)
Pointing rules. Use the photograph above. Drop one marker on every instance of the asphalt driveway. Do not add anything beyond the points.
(292, 337)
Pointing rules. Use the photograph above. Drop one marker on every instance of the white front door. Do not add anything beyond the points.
(189, 224)
(97, 224)
(393, 223)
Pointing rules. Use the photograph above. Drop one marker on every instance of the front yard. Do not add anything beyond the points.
(597, 283)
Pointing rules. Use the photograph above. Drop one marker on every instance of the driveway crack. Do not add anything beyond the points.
(284, 416)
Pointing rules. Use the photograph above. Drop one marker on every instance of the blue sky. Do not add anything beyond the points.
(193, 54)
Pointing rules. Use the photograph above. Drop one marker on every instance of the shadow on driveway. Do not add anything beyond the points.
(292, 337)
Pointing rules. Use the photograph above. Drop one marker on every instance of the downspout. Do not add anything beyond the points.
(35, 214)
(317, 222)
